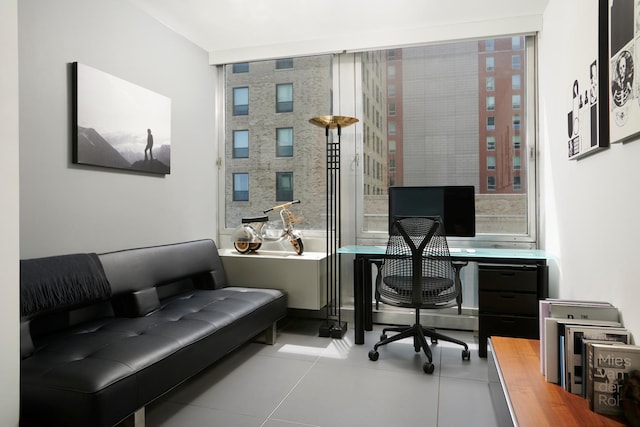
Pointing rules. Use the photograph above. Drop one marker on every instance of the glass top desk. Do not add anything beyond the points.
(364, 254)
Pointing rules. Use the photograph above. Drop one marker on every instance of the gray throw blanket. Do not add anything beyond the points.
(58, 282)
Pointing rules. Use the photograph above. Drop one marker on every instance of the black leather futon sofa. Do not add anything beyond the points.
(104, 335)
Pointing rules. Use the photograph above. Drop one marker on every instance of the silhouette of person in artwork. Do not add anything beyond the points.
(149, 145)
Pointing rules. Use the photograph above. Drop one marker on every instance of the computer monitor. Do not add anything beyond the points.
(455, 205)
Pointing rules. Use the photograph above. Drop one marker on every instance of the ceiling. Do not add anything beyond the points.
(223, 25)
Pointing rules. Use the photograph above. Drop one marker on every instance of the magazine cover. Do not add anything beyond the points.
(612, 364)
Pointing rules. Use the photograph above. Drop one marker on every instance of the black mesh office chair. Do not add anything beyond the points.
(417, 272)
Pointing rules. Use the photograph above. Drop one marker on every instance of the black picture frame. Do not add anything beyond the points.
(119, 125)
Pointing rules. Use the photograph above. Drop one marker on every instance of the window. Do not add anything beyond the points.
(516, 121)
(515, 42)
(491, 183)
(284, 186)
(391, 90)
(489, 45)
(515, 102)
(284, 98)
(392, 146)
(490, 63)
(491, 123)
(240, 144)
(515, 62)
(491, 163)
(516, 142)
(491, 84)
(392, 128)
(284, 63)
(517, 185)
(392, 109)
(242, 67)
(491, 103)
(391, 71)
(284, 142)
(491, 142)
(515, 82)
(516, 162)
(240, 101)
(240, 187)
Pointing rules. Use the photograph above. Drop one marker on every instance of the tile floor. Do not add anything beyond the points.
(306, 380)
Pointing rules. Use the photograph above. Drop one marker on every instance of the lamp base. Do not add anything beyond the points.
(333, 329)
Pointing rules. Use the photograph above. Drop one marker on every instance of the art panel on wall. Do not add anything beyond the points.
(587, 118)
(118, 124)
(624, 53)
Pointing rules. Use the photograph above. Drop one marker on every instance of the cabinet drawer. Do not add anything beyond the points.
(495, 302)
(508, 326)
(508, 278)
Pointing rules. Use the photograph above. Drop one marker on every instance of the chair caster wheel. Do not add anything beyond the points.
(434, 340)
(428, 367)
(466, 355)
(383, 337)
(373, 355)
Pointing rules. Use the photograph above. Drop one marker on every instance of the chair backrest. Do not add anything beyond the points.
(417, 270)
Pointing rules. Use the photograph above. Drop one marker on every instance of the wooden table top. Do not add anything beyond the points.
(535, 402)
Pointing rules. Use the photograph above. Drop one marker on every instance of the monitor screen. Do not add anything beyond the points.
(455, 205)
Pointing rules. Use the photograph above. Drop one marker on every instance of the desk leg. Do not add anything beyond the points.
(367, 295)
(358, 299)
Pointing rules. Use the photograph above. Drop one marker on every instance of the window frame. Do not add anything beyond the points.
(284, 106)
(236, 149)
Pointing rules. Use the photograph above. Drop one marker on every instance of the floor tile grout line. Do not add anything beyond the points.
(315, 362)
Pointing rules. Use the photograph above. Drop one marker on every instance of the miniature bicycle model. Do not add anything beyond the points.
(253, 232)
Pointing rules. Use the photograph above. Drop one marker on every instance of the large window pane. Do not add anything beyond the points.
(304, 165)
(452, 124)
(240, 144)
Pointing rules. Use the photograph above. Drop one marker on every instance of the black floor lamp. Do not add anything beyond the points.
(334, 327)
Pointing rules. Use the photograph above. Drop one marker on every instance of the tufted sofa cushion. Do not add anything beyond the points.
(98, 363)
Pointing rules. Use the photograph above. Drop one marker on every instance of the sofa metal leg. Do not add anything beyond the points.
(137, 419)
(270, 334)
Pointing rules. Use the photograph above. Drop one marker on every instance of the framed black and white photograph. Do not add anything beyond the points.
(587, 116)
(624, 54)
(119, 124)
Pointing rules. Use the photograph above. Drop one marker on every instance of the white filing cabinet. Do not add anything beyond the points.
(303, 277)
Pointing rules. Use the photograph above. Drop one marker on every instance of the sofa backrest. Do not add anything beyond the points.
(134, 270)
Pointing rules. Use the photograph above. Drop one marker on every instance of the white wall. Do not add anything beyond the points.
(9, 215)
(68, 208)
(590, 207)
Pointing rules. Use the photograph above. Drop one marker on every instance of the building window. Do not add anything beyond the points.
(284, 98)
(491, 103)
(490, 63)
(489, 45)
(491, 183)
(516, 163)
(491, 143)
(516, 42)
(491, 163)
(491, 84)
(284, 63)
(392, 128)
(392, 146)
(240, 187)
(491, 123)
(391, 90)
(515, 102)
(517, 183)
(284, 142)
(515, 82)
(240, 144)
(240, 101)
(516, 142)
(284, 186)
(516, 121)
(391, 71)
(515, 62)
(392, 109)
(241, 67)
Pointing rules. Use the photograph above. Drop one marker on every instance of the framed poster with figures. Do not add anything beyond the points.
(587, 116)
(624, 54)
